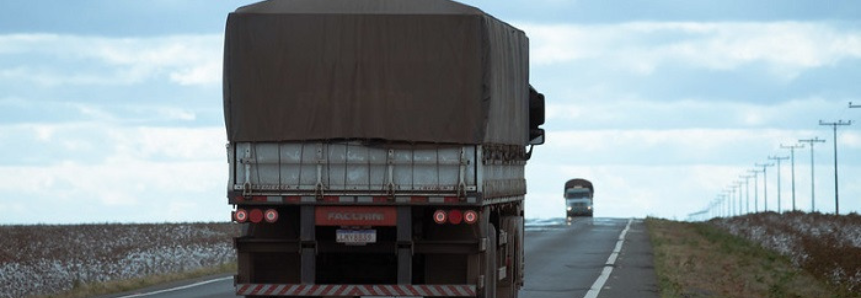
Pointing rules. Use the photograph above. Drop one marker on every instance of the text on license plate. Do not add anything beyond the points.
(355, 236)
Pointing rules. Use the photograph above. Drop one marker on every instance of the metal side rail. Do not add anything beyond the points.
(356, 290)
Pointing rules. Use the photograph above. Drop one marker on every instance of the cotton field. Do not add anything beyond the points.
(826, 245)
(46, 259)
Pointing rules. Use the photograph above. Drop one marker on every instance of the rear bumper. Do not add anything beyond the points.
(580, 213)
(355, 290)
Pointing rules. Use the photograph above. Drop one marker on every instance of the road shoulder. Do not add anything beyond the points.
(149, 291)
(634, 272)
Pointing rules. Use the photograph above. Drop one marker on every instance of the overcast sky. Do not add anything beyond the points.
(110, 111)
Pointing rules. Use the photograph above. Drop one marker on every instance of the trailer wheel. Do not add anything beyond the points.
(508, 287)
(490, 264)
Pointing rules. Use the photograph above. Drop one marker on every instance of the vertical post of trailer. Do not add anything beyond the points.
(405, 248)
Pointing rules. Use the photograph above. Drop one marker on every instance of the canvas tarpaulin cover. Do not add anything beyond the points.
(397, 70)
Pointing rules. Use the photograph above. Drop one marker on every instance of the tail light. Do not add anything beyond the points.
(439, 216)
(455, 216)
(255, 215)
(270, 215)
(470, 217)
(240, 215)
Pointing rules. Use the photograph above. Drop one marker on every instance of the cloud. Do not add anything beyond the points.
(615, 109)
(170, 143)
(786, 48)
(53, 59)
(674, 146)
(683, 146)
(95, 142)
(128, 173)
(118, 188)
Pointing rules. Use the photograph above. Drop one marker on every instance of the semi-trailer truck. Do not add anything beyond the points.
(377, 148)
(578, 197)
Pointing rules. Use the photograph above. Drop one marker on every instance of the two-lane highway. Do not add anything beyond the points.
(563, 259)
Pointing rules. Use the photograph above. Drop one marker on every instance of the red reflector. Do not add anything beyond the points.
(455, 216)
(259, 198)
(293, 199)
(381, 199)
(419, 199)
(470, 217)
(270, 215)
(439, 216)
(451, 199)
(240, 198)
(255, 215)
(330, 198)
(240, 215)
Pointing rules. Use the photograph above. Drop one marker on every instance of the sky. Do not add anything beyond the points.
(110, 111)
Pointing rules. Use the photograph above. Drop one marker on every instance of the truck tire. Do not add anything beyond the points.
(507, 288)
(490, 264)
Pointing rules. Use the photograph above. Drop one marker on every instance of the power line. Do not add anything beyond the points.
(812, 177)
(836, 189)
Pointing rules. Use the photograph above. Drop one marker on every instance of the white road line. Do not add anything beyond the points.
(608, 267)
(178, 288)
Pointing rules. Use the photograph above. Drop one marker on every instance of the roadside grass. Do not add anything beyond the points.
(80, 290)
(695, 260)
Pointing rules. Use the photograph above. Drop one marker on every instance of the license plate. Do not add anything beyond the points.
(355, 236)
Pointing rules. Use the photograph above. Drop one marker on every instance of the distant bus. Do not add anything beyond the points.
(578, 197)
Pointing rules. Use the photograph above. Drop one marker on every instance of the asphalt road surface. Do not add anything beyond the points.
(569, 259)
(581, 258)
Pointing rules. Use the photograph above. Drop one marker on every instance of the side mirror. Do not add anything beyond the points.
(536, 117)
(536, 136)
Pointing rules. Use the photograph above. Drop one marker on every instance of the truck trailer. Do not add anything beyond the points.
(578, 197)
(377, 148)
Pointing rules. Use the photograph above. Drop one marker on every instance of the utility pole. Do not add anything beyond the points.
(836, 190)
(737, 186)
(765, 182)
(778, 159)
(792, 154)
(740, 204)
(736, 208)
(731, 201)
(747, 192)
(812, 189)
(755, 190)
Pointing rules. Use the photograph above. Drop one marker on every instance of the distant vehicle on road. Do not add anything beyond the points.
(578, 197)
